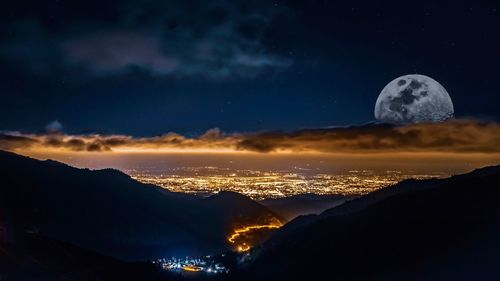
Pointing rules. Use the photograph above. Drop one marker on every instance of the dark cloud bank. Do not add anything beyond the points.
(456, 136)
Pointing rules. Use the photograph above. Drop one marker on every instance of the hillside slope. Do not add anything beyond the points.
(420, 230)
(107, 211)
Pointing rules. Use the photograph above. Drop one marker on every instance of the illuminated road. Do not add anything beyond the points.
(239, 234)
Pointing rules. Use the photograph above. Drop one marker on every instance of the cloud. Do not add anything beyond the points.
(451, 136)
(54, 127)
(13, 141)
(212, 39)
(456, 136)
(112, 52)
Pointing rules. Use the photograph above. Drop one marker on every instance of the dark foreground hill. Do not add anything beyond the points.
(417, 230)
(110, 213)
(35, 257)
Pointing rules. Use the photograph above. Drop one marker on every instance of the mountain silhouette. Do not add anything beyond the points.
(112, 214)
(303, 204)
(441, 229)
(36, 257)
(56, 222)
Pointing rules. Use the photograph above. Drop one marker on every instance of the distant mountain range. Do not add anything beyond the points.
(110, 213)
(294, 206)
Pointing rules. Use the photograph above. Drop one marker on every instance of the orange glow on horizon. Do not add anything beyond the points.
(42, 152)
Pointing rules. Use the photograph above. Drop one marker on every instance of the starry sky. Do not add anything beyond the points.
(143, 68)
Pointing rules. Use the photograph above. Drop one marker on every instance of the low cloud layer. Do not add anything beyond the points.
(457, 136)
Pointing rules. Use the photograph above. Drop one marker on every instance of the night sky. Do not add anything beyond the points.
(144, 68)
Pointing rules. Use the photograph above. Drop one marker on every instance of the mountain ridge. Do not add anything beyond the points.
(445, 229)
(109, 212)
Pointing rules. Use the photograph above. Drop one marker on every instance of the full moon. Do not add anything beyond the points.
(413, 98)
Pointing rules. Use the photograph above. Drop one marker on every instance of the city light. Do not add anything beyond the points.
(192, 268)
(207, 264)
(261, 185)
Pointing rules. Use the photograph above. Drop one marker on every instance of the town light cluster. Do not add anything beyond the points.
(204, 264)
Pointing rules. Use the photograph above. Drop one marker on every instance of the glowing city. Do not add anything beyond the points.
(270, 184)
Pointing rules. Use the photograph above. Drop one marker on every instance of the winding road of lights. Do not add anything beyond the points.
(243, 247)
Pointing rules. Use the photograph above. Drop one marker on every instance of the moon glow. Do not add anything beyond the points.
(413, 98)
